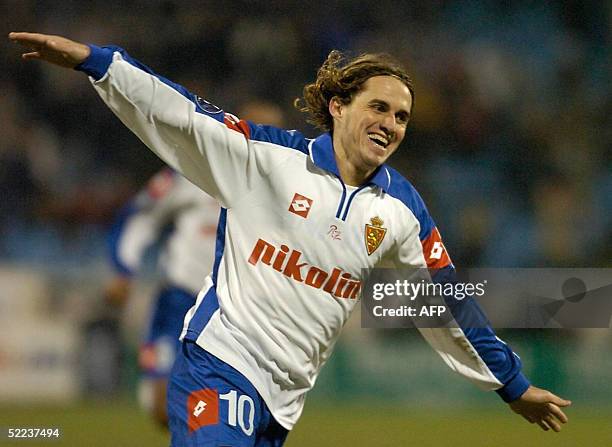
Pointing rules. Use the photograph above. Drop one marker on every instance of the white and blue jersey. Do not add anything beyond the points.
(291, 242)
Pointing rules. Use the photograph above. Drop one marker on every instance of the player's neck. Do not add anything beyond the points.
(350, 173)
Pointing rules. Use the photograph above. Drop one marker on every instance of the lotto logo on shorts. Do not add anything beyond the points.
(202, 409)
(300, 205)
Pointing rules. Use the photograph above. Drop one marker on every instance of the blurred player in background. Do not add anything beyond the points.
(186, 258)
(283, 284)
(169, 201)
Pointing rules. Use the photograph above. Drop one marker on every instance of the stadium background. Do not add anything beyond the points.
(509, 146)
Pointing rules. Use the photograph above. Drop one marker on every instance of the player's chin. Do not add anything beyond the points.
(373, 163)
(379, 155)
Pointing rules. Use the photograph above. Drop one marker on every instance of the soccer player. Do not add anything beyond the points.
(169, 200)
(281, 289)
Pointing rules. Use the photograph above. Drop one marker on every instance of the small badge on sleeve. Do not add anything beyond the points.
(434, 251)
(207, 106)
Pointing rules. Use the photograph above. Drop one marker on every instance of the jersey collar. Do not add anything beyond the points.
(321, 151)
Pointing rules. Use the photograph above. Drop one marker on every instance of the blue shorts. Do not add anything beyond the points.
(157, 353)
(212, 404)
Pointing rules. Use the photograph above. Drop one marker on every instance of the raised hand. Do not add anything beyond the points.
(54, 49)
(541, 407)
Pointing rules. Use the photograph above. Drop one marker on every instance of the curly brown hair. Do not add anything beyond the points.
(343, 78)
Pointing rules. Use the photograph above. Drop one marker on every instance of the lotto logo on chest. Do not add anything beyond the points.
(300, 205)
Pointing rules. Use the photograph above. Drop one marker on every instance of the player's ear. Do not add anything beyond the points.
(336, 107)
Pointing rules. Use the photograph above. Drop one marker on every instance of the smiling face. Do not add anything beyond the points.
(371, 127)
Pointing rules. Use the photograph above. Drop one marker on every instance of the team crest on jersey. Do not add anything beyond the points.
(300, 205)
(374, 234)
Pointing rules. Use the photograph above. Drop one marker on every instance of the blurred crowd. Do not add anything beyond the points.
(510, 142)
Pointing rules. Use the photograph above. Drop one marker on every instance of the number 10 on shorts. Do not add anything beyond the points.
(240, 411)
(204, 409)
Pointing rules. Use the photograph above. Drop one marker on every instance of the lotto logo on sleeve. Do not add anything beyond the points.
(300, 205)
(434, 251)
(202, 409)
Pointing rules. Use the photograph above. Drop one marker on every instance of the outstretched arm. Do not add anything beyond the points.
(541, 407)
(211, 148)
(472, 349)
(54, 49)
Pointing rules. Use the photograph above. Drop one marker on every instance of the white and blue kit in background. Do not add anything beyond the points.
(169, 201)
(292, 240)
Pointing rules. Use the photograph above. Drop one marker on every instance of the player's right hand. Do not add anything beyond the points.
(54, 49)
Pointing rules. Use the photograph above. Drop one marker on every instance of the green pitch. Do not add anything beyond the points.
(122, 424)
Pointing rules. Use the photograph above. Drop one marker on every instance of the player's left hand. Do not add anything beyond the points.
(541, 407)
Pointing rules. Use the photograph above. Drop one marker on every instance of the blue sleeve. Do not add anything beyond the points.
(503, 363)
(497, 355)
